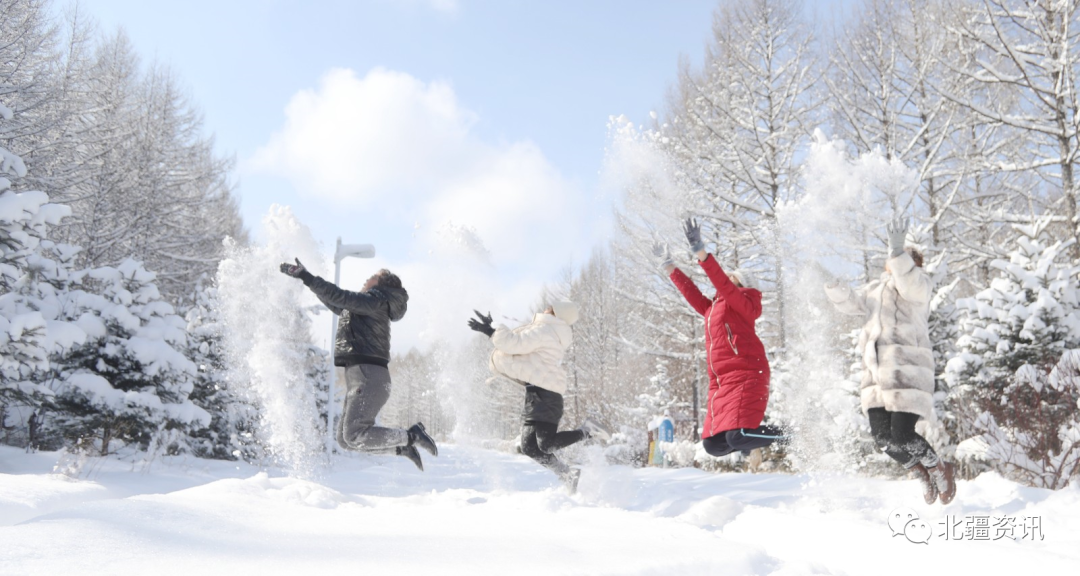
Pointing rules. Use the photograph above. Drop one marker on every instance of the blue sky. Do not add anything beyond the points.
(394, 121)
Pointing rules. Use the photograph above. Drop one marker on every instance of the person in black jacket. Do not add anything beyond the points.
(362, 347)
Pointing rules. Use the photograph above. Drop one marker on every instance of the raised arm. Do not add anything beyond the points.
(690, 291)
(912, 282)
(737, 300)
(334, 297)
(337, 311)
(846, 300)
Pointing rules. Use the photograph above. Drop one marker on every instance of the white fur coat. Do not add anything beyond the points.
(898, 361)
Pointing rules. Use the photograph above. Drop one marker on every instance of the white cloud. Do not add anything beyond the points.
(495, 220)
(354, 139)
(388, 140)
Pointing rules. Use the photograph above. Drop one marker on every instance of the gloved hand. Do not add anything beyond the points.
(662, 255)
(296, 271)
(483, 324)
(693, 235)
(897, 230)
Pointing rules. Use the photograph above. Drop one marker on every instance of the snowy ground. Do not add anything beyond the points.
(481, 512)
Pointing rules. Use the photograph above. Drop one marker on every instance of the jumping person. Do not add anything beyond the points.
(736, 362)
(898, 362)
(531, 355)
(362, 347)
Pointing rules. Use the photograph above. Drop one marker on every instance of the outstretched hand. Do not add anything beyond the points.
(897, 230)
(693, 235)
(663, 256)
(483, 324)
(295, 270)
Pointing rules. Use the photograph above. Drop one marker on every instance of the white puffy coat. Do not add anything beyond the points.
(898, 360)
(533, 353)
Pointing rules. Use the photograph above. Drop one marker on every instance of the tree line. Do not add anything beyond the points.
(113, 210)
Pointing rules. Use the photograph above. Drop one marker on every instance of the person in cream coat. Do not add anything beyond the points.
(531, 355)
(897, 383)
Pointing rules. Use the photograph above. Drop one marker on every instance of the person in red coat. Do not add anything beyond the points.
(735, 357)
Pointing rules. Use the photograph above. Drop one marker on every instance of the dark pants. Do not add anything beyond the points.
(540, 439)
(727, 442)
(367, 390)
(894, 432)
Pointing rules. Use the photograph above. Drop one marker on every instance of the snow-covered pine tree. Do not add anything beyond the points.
(129, 384)
(231, 434)
(33, 281)
(944, 331)
(1016, 376)
(317, 366)
(657, 398)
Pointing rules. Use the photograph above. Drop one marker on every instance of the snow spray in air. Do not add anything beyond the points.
(456, 269)
(267, 336)
(814, 390)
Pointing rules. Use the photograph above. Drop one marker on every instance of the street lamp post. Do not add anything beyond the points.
(341, 252)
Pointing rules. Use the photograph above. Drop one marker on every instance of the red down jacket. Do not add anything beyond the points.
(738, 368)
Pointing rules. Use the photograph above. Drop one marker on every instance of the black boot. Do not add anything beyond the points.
(411, 453)
(418, 437)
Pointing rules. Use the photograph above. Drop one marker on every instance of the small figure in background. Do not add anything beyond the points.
(661, 430)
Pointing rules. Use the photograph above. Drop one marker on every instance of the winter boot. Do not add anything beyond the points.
(418, 437)
(930, 491)
(571, 480)
(410, 453)
(594, 429)
(945, 481)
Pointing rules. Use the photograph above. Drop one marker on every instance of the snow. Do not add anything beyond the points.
(476, 511)
(264, 337)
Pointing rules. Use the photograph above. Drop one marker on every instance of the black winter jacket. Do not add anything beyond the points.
(363, 335)
(541, 405)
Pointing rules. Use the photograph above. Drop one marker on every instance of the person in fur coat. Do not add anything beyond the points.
(737, 365)
(531, 355)
(897, 382)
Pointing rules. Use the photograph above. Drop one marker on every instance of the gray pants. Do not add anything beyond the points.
(367, 390)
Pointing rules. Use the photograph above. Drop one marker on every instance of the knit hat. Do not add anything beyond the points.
(566, 311)
(745, 278)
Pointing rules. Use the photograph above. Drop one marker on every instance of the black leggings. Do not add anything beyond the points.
(894, 432)
(727, 442)
(540, 439)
